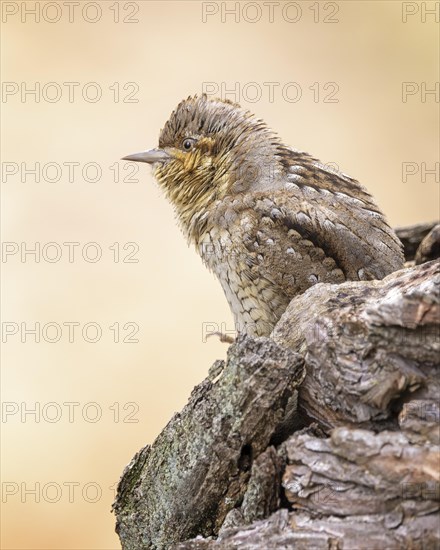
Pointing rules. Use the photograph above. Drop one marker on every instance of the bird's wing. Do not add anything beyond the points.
(298, 239)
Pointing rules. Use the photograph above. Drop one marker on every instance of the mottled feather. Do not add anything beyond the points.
(268, 220)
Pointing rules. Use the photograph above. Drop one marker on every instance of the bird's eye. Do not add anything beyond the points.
(188, 144)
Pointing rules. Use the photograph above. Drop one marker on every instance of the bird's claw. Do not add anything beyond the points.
(223, 337)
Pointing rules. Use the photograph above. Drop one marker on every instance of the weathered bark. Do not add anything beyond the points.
(420, 420)
(429, 248)
(357, 472)
(262, 495)
(365, 344)
(356, 367)
(355, 489)
(412, 236)
(297, 531)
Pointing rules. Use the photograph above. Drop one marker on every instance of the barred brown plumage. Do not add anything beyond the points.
(268, 220)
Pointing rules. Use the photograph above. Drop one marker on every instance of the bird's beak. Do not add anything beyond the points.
(151, 156)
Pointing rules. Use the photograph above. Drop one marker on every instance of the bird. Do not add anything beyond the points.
(268, 220)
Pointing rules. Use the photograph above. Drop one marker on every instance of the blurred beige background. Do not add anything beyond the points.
(98, 403)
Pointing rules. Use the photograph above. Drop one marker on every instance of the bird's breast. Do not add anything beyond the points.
(255, 301)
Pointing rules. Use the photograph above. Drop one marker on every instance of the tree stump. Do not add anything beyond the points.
(325, 435)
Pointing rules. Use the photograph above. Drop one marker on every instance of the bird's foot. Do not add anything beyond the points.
(223, 337)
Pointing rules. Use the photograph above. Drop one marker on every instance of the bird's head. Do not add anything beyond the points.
(210, 148)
